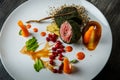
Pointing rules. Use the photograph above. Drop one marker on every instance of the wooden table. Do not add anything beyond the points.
(111, 10)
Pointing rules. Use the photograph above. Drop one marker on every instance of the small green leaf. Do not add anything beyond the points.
(74, 61)
(38, 65)
(20, 32)
(32, 44)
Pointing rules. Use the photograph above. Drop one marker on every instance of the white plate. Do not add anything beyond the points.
(20, 66)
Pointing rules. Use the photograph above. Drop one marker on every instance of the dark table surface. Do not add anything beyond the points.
(111, 10)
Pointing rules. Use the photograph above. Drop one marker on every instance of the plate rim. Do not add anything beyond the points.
(5, 22)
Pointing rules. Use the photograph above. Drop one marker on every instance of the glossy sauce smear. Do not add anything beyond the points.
(91, 35)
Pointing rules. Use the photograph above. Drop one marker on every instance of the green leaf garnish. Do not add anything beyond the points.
(32, 44)
(38, 65)
(74, 61)
(20, 32)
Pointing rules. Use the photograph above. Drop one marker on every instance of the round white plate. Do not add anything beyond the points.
(20, 66)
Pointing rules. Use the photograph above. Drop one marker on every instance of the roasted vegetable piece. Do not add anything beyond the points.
(24, 32)
(91, 35)
(67, 67)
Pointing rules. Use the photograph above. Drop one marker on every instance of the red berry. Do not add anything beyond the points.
(60, 55)
(59, 51)
(48, 39)
(54, 48)
(57, 46)
(53, 39)
(55, 70)
(55, 54)
(63, 50)
(52, 62)
(58, 42)
(60, 58)
(60, 68)
(61, 46)
(55, 36)
(59, 71)
(52, 57)
(50, 35)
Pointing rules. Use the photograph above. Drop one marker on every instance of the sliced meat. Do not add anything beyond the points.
(70, 31)
(66, 32)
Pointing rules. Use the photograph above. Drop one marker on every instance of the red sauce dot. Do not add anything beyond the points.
(28, 26)
(35, 29)
(43, 34)
(80, 55)
(68, 48)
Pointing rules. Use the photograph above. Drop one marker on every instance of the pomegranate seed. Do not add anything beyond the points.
(54, 35)
(58, 42)
(61, 55)
(62, 50)
(50, 35)
(59, 71)
(53, 39)
(61, 46)
(48, 39)
(52, 57)
(55, 70)
(59, 51)
(60, 58)
(54, 48)
(55, 54)
(60, 68)
(52, 62)
(57, 46)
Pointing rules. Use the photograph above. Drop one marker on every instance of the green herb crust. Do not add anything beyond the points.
(73, 16)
